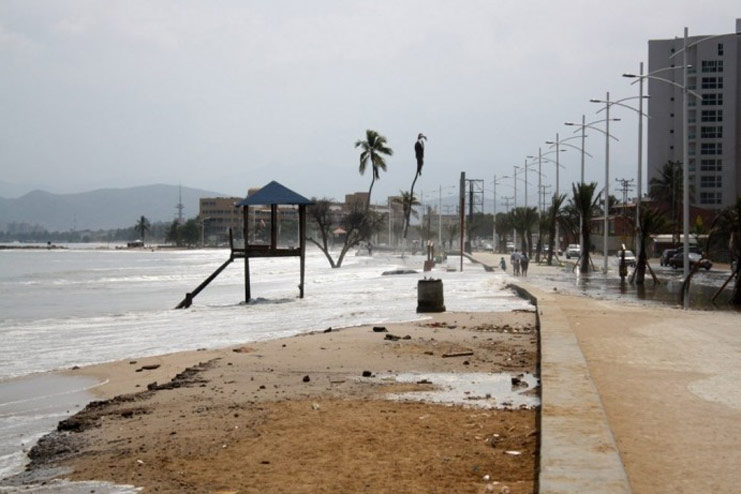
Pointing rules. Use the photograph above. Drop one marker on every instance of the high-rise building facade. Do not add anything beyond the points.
(714, 122)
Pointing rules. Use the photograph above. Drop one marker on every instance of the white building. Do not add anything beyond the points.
(714, 122)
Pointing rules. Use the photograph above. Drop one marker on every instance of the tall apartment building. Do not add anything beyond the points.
(714, 122)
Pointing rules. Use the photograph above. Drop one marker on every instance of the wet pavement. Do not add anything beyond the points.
(597, 284)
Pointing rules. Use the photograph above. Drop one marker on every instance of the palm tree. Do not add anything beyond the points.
(407, 202)
(523, 220)
(651, 222)
(554, 217)
(542, 229)
(503, 225)
(667, 188)
(374, 148)
(142, 226)
(728, 222)
(585, 201)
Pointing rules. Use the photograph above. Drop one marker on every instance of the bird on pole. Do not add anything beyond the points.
(419, 151)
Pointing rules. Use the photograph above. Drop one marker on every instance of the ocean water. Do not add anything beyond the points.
(78, 306)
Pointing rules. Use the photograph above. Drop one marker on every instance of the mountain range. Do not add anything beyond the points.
(102, 208)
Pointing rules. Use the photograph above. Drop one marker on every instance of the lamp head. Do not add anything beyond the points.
(630, 75)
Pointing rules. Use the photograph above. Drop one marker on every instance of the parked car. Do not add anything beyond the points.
(630, 258)
(669, 253)
(677, 260)
(573, 250)
(666, 255)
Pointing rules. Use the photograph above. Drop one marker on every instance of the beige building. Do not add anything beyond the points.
(217, 215)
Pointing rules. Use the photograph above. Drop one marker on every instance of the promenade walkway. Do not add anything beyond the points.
(636, 398)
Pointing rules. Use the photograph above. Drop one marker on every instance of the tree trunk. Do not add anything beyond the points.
(641, 264)
(736, 294)
(551, 242)
(325, 250)
(367, 203)
(585, 244)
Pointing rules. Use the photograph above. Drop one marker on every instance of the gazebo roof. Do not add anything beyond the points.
(274, 193)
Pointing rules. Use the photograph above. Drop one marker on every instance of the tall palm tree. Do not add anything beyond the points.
(373, 150)
(651, 222)
(554, 216)
(585, 201)
(142, 226)
(503, 225)
(667, 188)
(523, 220)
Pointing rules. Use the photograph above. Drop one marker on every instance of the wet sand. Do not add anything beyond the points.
(313, 413)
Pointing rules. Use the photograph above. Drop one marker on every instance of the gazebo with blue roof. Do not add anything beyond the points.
(274, 195)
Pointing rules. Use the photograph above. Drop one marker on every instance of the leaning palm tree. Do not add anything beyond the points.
(585, 201)
(374, 148)
(651, 223)
(554, 216)
(142, 226)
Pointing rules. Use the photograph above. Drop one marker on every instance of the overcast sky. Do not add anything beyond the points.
(226, 95)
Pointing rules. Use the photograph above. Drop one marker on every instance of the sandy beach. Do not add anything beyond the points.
(315, 413)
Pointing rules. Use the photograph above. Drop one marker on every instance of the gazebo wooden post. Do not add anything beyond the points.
(273, 226)
(302, 244)
(245, 216)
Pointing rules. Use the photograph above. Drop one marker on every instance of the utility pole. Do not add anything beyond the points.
(626, 185)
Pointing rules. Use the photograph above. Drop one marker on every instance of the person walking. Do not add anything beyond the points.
(503, 265)
(524, 263)
(515, 260)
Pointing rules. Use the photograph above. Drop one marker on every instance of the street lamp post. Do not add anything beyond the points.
(606, 189)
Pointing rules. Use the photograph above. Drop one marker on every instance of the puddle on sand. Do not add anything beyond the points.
(480, 390)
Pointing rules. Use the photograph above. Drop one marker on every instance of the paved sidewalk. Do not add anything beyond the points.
(666, 383)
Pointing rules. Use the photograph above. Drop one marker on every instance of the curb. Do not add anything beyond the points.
(577, 448)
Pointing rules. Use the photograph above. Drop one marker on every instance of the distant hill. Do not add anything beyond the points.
(100, 209)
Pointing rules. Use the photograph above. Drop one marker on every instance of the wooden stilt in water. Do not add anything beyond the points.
(245, 216)
(302, 245)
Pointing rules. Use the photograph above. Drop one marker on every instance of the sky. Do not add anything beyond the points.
(229, 95)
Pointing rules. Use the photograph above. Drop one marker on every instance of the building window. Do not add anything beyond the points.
(712, 83)
(712, 99)
(712, 65)
(711, 132)
(720, 49)
(711, 165)
(710, 182)
(711, 116)
(710, 197)
(711, 148)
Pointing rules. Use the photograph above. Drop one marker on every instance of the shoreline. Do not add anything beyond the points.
(349, 375)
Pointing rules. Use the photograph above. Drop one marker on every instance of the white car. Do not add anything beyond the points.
(573, 250)
(630, 258)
